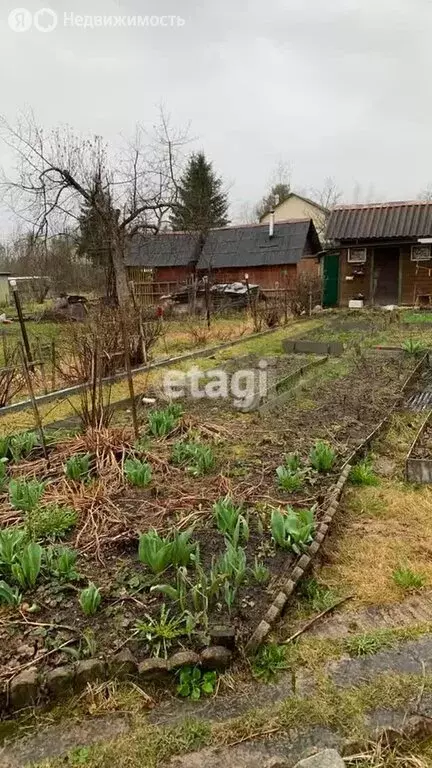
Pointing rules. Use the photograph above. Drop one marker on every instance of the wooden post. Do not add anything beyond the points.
(207, 299)
(5, 348)
(42, 365)
(17, 301)
(142, 337)
(53, 364)
(36, 413)
(129, 374)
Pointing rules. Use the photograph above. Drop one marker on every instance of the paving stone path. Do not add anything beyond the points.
(413, 657)
(414, 610)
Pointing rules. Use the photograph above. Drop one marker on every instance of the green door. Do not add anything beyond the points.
(331, 280)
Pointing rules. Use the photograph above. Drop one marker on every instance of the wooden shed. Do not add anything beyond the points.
(381, 255)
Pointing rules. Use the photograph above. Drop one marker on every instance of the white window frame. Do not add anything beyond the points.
(357, 255)
(419, 247)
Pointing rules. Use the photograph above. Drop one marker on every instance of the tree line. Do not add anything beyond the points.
(83, 202)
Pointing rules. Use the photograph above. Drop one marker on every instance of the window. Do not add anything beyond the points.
(357, 255)
(420, 252)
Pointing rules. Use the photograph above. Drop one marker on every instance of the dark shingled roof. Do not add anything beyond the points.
(167, 249)
(380, 220)
(251, 246)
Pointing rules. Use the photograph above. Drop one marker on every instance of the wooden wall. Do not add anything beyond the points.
(412, 284)
(348, 289)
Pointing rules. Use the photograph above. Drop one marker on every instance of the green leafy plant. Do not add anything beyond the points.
(229, 521)
(154, 551)
(162, 422)
(408, 579)
(51, 521)
(90, 599)
(229, 595)
(25, 494)
(292, 530)
(413, 347)
(3, 474)
(179, 592)
(78, 467)
(322, 456)
(260, 572)
(22, 444)
(363, 474)
(160, 633)
(4, 447)
(231, 565)
(289, 480)
(183, 550)
(160, 552)
(269, 661)
(193, 683)
(9, 595)
(27, 565)
(363, 645)
(61, 563)
(137, 472)
(292, 462)
(317, 596)
(198, 458)
(11, 543)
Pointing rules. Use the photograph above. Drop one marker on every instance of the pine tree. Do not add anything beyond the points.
(202, 203)
(93, 239)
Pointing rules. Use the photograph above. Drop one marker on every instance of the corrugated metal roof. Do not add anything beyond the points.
(251, 246)
(167, 249)
(380, 220)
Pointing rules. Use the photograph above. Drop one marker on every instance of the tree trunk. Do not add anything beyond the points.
(117, 252)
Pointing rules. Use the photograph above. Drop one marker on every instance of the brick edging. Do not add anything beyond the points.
(300, 568)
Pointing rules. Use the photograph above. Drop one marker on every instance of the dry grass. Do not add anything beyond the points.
(380, 528)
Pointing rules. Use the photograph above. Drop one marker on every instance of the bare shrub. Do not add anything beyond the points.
(198, 332)
(11, 380)
(304, 293)
(103, 330)
(271, 313)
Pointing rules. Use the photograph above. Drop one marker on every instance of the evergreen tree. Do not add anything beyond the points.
(202, 203)
(278, 194)
(93, 238)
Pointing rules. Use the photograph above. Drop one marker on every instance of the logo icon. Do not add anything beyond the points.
(45, 20)
(20, 20)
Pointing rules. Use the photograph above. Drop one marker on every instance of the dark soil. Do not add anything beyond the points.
(248, 447)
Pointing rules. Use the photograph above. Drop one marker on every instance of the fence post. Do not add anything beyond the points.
(129, 374)
(53, 363)
(36, 413)
(17, 301)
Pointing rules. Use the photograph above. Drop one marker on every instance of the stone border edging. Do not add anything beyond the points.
(29, 687)
(299, 570)
(62, 394)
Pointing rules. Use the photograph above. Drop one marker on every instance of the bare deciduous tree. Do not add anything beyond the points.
(327, 197)
(55, 175)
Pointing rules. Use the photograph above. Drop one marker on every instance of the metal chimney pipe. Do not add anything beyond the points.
(271, 224)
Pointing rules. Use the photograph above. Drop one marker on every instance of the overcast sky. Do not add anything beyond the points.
(332, 87)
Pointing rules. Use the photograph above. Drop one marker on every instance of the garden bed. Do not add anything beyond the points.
(237, 462)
